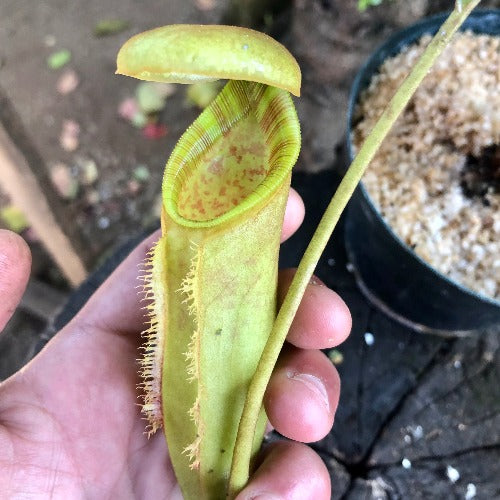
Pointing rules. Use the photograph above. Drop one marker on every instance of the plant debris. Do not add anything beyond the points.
(108, 27)
(201, 94)
(128, 108)
(155, 130)
(149, 97)
(144, 109)
(66, 185)
(336, 357)
(58, 59)
(69, 138)
(14, 218)
(67, 82)
(141, 173)
(89, 172)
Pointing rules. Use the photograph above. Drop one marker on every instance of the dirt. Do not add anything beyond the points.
(107, 211)
(330, 39)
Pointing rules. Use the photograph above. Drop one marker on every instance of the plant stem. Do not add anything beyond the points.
(242, 454)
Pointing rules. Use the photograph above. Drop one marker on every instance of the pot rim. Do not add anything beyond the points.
(391, 47)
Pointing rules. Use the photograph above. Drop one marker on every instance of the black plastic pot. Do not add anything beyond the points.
(388, 272)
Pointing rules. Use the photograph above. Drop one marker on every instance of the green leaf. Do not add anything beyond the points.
(59, 59)
(201, 94)
(14, 218)
(107, 27)
(141, 173)
(364, 4)
(149, 97)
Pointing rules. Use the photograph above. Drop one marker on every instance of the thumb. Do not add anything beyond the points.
(15, 265)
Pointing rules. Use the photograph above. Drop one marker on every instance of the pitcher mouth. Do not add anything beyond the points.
(234, 156)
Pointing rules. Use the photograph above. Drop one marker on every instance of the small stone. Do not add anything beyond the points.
(66, 185)
(69, 142)
(49, 40)
(103, 222)
(452, 473)
(457, 364)
(89, 171)
(67, 82)
(406, 463)
(205, 5)
(380, 489)
(471, 491)
(141, 173)
(165, 89)
(157, 206)
(417, 432)
(331, 262)
(133, 187)
(92, 197)
(407, 439)
(107, 27)
(369, 338)
(350, 267)
(128, 108)
(59, 59)
(69, 138)
(488, 356)
(71, 127)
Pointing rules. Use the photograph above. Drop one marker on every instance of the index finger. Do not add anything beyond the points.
(323, 319)
(15, 265)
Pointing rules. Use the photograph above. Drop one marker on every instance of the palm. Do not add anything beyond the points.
(78, 432)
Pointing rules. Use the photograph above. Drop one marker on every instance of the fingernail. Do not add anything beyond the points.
(265, 496)
(316, 281)
(314, 384)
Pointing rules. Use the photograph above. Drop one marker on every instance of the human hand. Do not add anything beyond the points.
(70, 426)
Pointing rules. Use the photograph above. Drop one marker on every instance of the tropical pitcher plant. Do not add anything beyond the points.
(214, 334)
